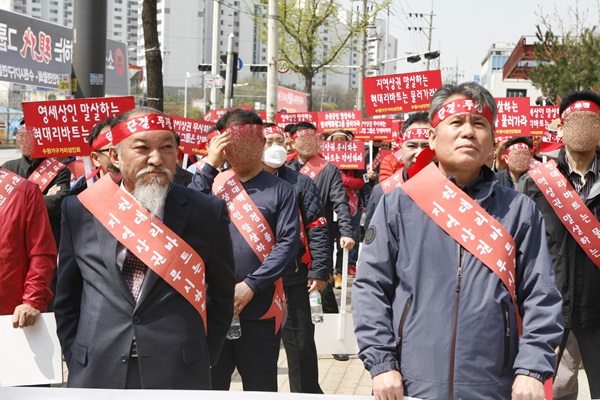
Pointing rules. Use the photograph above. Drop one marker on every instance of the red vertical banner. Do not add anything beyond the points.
(329, 121)
(401, 93)
(513, 116)
(283, 119)
(193, 134)
(540, 117)
(376, 129)
(62, 127)
(344, 154)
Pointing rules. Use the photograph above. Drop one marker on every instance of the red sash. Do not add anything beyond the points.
(157, 246)
(352, 201)
(255, 229)
(570, 209)
(376, 161)
(394, 181)
(467, 223)
(9, 181)
(46, 172)
(321, 221)
(313, 167)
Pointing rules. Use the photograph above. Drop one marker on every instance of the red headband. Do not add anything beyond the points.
(302, 132)
(582, 105)
(212, 134)
(516, 146)
(273, 130)
(415, 134)
(143, 123)
(461, 106)
(100, 141)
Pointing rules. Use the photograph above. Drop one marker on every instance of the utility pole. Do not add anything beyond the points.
(387, 40)
(430, 34)
(363, 59)
(216, 50)
(272, 56)
(229, 73)
(89, 47)
(419, 28)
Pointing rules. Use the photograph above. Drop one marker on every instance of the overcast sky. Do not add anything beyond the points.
(464, 30)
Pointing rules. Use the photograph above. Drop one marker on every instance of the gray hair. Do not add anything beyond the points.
(480, 95)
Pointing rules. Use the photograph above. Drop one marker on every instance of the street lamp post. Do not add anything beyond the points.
(185, 86)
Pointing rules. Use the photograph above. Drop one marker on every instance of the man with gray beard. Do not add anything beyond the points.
(145, 283)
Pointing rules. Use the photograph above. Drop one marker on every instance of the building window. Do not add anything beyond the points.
(498, 62)
(516, 92)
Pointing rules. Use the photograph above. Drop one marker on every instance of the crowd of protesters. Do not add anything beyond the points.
(469, 282)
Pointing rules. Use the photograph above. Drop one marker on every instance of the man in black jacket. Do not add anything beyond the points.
(333, 196)
(578, 277)
(309, 269)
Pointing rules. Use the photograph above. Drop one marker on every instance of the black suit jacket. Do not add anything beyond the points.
(97, 316)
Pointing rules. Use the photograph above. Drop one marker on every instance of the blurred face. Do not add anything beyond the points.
(307, 143)
(146, 158)
(100, 158)
(518, 160)
(24, 140)
(581, 131)
(413, 147)
(462, 142)
(289, 145)
(245, 148)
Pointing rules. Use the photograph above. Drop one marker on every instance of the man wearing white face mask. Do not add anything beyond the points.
(298, 332)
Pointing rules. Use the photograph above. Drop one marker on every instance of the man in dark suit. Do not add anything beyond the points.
(123, 331)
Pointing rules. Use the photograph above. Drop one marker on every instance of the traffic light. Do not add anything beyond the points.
(204, 67)
(414, 59)
(258, 68)
(223, 72)
(431, 55)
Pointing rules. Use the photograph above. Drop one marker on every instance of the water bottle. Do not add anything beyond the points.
(235, 330)
(316, 308)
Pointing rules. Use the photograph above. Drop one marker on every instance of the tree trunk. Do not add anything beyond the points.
(308, 79)
(153, 56)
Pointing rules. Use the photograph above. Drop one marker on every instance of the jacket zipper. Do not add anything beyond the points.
(455, 321)
(506, 316)
(401, 325)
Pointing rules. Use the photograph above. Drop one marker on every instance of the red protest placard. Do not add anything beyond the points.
(214, 115)
(62, 127)
(513, 116)
(391, 94)
(396, 130)
(193, 134)
(344, 154)
(283, 119)
(540, 117)
(329, 121)
(376, 129)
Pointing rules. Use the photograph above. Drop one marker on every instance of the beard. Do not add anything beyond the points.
(153, 194)
(519, 160)
(307, 145)
(581, 131)
(245, 149)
